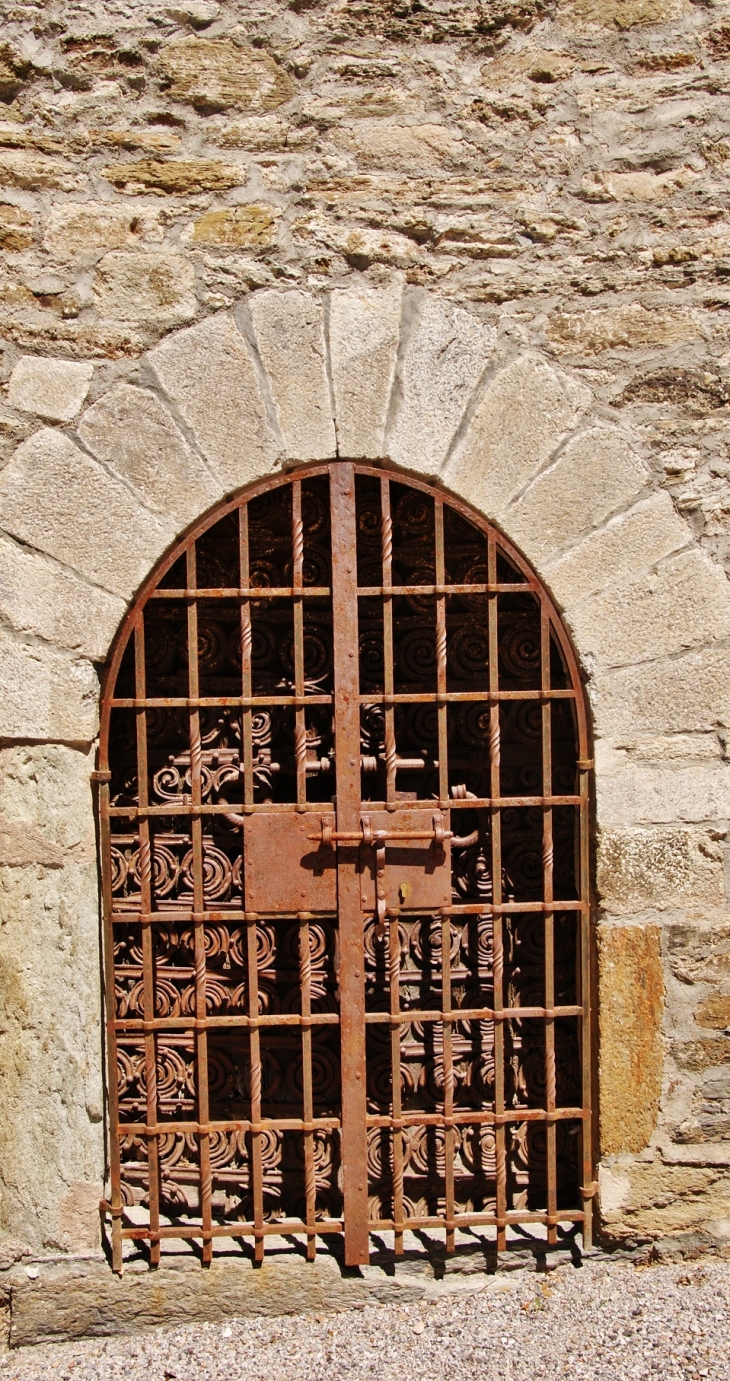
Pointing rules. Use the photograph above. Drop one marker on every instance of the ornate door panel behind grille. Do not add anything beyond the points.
(344, 843)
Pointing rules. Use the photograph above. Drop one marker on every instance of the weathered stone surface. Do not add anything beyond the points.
(683, 604)
(638, 793)
(216, 74)
(443, 357)
(364, 330)
(31, 171)
(638, 538)
(175, 176)
(131, 431)
(626, 327)
(631, 1001)
(210, 377)
(93, 227)
(40, 597)
(51, 1139)
(624, 14)
(714, 1012)
(16, 228)
(660, 868)
(675, 695)
(596, 474)
(62, 502)
(289, 329)
(83, 1298)
(51, 388)
(525, 412)
(240, 227)
(414, 149)
(77, 339)
(662, 1199)
(141, 288)
(45, 693)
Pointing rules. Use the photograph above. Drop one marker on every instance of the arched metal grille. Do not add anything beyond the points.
(344, 796)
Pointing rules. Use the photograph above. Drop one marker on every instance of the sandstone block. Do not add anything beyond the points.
(631, 1003)
(51, 1131)
(79, 340)
(630, 326)
(152, 288)
(638, 538)
(208, 373)
(639, 793)
(215, 74)
(413, 149)
(93, 227)
(660, 868)
(45, 693)
(625, 14)
(62, 502)
(289, 329)
(444, 356)
(50, 388)
(684, 603)
(32, 171)
(237, 227)
(175, 176)
(594, 475)
(359, 246)
(131, 431)
(364, 329)
(667, 1199)
(40, 597)
(714, 1012)
(676, 695)
(16, 228)
(523, 415)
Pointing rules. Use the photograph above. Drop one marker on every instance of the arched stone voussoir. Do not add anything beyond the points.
(364, 332)
(58, 499)
(211, 381)
(46, 694)
(133, 433)
(526, 411)
(596, 474)
(444, 353)
(290, 339)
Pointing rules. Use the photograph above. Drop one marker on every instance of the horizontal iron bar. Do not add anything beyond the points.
(471, 1014)
(212, 1023)
(240, 917)
(371, 591)
(206, 702)
(457, 697)
(248, 592)
(469, 1118)
(241, 1124)
(466, 1220)
(283, 1228)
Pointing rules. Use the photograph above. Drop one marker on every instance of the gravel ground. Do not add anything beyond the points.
(604, 1322)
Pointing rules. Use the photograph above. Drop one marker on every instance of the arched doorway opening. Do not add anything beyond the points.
(344, 825)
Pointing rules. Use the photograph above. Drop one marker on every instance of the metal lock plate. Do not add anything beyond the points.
(417, 872)
(284, 869)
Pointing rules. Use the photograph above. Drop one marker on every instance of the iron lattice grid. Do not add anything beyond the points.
(351, 1155)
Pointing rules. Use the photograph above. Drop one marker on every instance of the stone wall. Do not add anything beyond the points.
(484, 241)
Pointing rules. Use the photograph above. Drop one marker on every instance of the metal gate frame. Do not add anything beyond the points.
(346, 707)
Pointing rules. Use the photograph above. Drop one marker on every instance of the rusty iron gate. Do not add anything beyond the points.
(344, 821)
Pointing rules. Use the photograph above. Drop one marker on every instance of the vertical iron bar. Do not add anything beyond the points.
(352, 954)
(549, 924)
(257, 1173)
(310, 1182)
(246, 646)
(448, 1081)
(300, 728)
(497, 922)
(196, 830)
(395, 1041)
(148, 962)
(110, 1014)
(585, 983)
(443, 709)
(388, 677)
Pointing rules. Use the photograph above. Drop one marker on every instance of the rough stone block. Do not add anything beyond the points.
(661, 868)
(643, 793)
(35, 170)
(631, 1003)
(238, 227)
(175, 176)
(216, 74)
(629, 543)
(364, 329)
(684, 603)
(629, 326)
(525, 412)
(40, 597)
(289, 329)
(59, 500)
(51, 1130)
(596, 474)
(153, 287)
(443, 356)
(209, 375)
(131, 431)
(90, 228)
(663, 1199)
(50, 388)
(45, 693)
(414, 149)
(676, 695)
